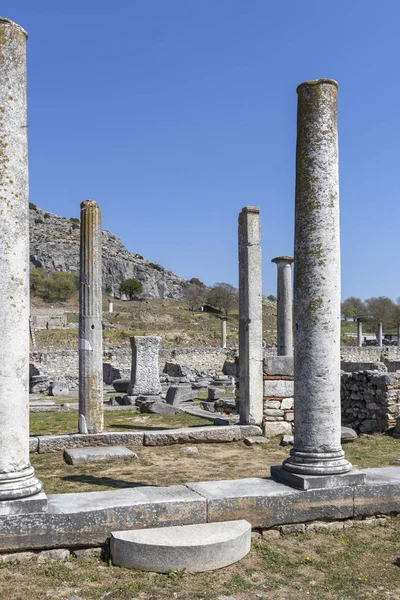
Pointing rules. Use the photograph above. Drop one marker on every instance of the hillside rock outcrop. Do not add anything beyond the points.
(54, 245)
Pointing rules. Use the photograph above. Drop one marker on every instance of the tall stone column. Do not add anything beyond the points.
(17, 479)
(359, 333)
(90, 321)
(250, 318)
(379, 334)
(317, 449)
(398, 334)
(223, 332)
(284, 305)
(110, 307)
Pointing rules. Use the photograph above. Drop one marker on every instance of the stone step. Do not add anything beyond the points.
(191, 548)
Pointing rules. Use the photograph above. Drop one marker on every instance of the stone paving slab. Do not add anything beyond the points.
(87, 518)
(190, 548)
(81, 456)
(55, 443)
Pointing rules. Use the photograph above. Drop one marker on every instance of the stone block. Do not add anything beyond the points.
(55, 443)
(180, 393)
(173, 369)
(278, 388)
(348, 434)
(58, 388)
(191, 548)
(82, 456)
(192, 435)
(254, 441)
(279, 365)
(213, 393)
(287, 440)
(276, 428)
(207, 405)
(274, 412)
(380, 494)
(145, 378)
(24, 506)
(226, 405)
(55, 554)
(272, 404)
(33, 444)
(267, 503)
(87, 553)
(313, 482)
(289, 416)
(287, 404)
(121, 385)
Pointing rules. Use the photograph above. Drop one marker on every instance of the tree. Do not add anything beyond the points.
(195, 296)
(381, 310)
(223, 297)
(131, 287)
(354, 308)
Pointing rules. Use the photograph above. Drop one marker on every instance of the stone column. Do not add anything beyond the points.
(17, 479)
(379, 334)
(90, 321)
(223, 332)
(110, 307)
(317, 449)
(284, 306)
(250, 318)
(145, 378)
(359, 333)
(398, 334)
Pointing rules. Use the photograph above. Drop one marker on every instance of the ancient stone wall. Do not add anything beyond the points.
(370, 400)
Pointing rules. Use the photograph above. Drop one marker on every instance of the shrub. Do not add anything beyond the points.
(32, 206)
(195, 281)
(130, 287)
(52, 286)
(75, 225)
(108, 289)
(47, 215)
(74, 220)
(156, 267)
(37, 221)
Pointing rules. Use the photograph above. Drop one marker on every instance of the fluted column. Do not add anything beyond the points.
(90, 321)
(284, 305)
(17, 479)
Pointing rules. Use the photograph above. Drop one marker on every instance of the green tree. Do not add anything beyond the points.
(381, 309)
(131, 287)
(223, 297)
(52, 286)
(354, 308)
(195, 281)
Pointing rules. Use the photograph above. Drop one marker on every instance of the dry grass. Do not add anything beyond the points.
(167, 465)
(356, 564)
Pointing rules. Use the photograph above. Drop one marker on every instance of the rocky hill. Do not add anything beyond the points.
(54, 245)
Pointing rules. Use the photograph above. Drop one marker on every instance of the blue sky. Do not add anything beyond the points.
(174, 114)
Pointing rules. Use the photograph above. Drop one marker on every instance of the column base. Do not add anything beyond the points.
(312, 482)
(24, 506)
(19, 484)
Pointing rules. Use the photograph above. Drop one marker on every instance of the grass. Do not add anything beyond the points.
(167, 465)
(352, 564)
(48, 423)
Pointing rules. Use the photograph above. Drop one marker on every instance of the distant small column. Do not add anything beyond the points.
(17, 478)
(90, 321)
(223, 332)
(359, 333)
(398, 334)
(145, 378)
(250, 318)
(379, 334)
(110, 307)
(284, 305)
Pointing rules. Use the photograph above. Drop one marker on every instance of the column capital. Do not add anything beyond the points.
(288, 260)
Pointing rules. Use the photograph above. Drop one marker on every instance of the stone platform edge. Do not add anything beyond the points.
(87, 519)
(161, 437)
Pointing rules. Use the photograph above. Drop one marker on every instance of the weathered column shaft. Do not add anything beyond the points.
(250, 318)
(398, 334)
(317, 427)
(223, 333)
(145, 377)
(284, 306)
(379, 334)
(17, 478)
(90, 321)
(110, 307)
(359, 334)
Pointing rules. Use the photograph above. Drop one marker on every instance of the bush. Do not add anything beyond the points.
(75, 225)
(131, 287)
(156, 267)
(47, 215)
(37, 221)
(53, 286)
(272, 298)
(32, 206)
(74, 220)
(195, 281)
(108, 289)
